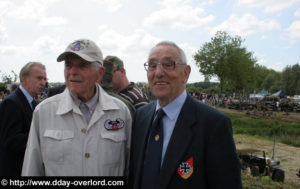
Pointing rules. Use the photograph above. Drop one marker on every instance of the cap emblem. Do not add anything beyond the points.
(77, 47)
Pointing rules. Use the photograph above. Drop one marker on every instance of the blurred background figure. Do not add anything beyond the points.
(16, 114)
(123, 87)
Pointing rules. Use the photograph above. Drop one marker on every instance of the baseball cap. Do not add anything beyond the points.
(84, 48)
(117, 62)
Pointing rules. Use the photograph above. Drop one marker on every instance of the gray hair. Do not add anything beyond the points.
(97, 65)
(25, 71)
(170, 43)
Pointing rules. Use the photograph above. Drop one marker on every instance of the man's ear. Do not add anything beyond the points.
(187, 71)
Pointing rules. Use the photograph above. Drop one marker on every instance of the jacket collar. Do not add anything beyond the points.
(68, 104)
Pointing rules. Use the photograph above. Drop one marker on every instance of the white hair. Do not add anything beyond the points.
(170, 43)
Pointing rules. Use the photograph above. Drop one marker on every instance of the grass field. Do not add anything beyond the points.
(257, 131)
(284, 128)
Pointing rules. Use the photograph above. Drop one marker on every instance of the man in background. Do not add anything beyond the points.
(16, 114)
(123, 87)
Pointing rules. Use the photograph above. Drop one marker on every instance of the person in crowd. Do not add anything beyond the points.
(177, 141)
(123, 87)
(82, 131)
(56, 90)
(1, 95)
(13, 87)
(106, 84)
(16, 114)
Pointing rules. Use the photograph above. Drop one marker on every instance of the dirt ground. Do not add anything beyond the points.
(289, 156)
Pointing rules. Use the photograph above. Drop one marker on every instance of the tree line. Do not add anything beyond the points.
(237, 70)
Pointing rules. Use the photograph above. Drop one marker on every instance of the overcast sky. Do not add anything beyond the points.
(39, 30)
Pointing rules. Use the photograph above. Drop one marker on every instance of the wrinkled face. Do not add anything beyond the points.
(81, 77)
(166, 85)
(35, 82)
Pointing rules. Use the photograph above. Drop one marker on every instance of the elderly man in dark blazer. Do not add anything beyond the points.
(16, 114)
(187, 144)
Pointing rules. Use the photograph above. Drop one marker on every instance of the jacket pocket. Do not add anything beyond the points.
(56, 144)
(112, 148)
(116, 137)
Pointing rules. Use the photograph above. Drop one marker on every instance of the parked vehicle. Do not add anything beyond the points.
(259, 164)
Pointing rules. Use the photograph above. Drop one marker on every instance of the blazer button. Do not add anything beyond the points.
(83, 130)
(87, 155)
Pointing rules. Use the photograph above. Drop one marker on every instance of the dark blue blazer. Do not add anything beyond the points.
(201, 134)
(15, 120)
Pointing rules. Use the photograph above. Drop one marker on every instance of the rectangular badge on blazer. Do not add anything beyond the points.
(186, 169)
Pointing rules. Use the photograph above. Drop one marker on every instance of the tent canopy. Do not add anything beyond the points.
(264, 92)
(279, 93)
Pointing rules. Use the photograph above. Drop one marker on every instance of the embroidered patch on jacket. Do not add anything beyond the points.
(114, 125)
(77, 47)
(185, 169)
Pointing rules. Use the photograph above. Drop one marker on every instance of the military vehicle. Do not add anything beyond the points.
(259, 164)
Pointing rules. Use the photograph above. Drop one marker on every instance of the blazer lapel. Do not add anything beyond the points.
(24, 101)
(179, 142)
(143, 131)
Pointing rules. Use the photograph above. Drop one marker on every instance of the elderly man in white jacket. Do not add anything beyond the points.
(82, 131)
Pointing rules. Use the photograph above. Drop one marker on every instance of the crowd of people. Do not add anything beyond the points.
(100, 124)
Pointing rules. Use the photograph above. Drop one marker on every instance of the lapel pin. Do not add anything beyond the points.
(156, 137)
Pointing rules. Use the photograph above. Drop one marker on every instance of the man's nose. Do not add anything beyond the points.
(73, 70)
(159, 70)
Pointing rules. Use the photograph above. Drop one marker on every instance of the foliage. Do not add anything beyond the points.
(8, 78)
(265, 182)
(224, 58)
(272, 81)
(260, 73)
(192, 88)
(287, 133)
(205, 87)
(2, 86)
(291, 79)
(141, 84)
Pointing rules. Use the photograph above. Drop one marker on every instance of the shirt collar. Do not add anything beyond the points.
(26, 93)
(91, 103)
(173, 108)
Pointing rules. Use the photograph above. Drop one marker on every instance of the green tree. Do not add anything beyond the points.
(7, 78)
(260, 74)
(291, 79)
(272, 81)
(224, 58)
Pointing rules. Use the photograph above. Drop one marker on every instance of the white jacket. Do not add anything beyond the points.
(61, 143)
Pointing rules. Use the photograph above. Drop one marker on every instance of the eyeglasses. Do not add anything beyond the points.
(167, 65)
